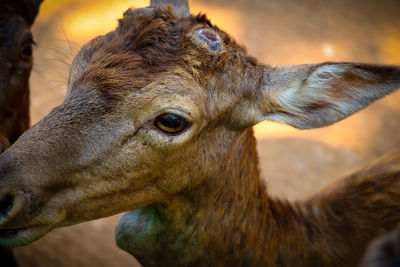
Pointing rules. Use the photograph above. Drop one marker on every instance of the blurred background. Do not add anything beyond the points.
(278, 32)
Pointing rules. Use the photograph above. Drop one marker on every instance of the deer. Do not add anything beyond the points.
(16, 41)
(16, 44)
(157, 123)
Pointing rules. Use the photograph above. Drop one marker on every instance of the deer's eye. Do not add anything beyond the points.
(26, 49)
(171, 123)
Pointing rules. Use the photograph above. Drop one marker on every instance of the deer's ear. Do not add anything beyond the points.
(27, 9)
(312, 96)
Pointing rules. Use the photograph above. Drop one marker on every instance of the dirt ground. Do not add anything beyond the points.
(294, 163)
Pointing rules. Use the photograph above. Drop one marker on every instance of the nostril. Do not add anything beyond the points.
(6, 204)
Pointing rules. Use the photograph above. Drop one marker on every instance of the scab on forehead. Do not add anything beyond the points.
(209, 38)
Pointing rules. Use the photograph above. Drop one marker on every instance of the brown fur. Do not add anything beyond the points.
(16, 17)
(195, 197)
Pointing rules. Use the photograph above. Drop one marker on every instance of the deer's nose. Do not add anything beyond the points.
(6, 206)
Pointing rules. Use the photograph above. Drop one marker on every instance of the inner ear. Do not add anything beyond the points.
(208, 38)
(312, 96)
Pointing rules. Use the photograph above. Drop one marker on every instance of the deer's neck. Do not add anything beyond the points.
(230, 220)
(216, 219)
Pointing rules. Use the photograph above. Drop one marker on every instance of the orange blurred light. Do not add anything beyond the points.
(97, 18)
(391, 46)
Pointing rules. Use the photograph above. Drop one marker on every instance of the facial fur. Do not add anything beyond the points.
(104, 131)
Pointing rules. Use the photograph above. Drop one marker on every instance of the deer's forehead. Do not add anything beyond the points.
(162, 57)
(172, 91)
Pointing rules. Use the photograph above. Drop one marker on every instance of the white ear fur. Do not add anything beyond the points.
(311, 96)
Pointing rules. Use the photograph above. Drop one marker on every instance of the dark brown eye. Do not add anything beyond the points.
(26, 49)
(171, 123)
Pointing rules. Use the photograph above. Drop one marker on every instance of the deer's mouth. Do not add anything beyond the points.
(21, 236)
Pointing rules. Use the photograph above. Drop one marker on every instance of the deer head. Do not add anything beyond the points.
(152, 110)
(16, 18)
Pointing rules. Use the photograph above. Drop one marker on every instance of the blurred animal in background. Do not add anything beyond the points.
(158, 120)
(16, 41)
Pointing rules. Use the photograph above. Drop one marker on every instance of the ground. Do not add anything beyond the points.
(278, 32)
